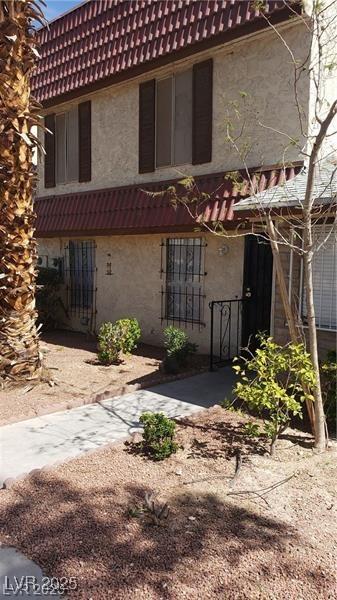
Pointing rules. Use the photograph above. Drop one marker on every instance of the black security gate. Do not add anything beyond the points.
(226, 330)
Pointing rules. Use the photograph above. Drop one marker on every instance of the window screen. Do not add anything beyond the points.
(174, 120)
(324, 279)
(183, 118)
(60, 143)
(66, 144)
(72, 145)
(164, 122)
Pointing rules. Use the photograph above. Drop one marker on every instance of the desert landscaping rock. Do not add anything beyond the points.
(42, 441)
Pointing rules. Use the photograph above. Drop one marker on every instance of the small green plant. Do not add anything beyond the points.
(329, 387)
(158, 435)
(178, 349)
(114, 338)
(128, 331)
(108, 344)
(272, 382)
(252, 429)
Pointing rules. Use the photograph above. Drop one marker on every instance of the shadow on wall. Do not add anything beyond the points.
(88, 533)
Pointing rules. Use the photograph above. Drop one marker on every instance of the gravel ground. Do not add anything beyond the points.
(71, 359)
(85, 519)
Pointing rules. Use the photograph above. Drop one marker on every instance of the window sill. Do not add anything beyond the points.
(183, 321)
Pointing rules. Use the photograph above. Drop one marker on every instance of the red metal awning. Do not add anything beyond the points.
(131, 210)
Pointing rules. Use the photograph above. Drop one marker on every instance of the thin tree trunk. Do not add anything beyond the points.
(293, 329)
(19, 349)
(320, 437)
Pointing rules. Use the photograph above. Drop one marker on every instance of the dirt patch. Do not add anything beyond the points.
(79, 378)
(85, 519)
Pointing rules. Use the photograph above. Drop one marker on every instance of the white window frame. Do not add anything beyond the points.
(172, 76)
(333, 328)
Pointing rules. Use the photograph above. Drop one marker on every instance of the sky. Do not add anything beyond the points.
(57, 7)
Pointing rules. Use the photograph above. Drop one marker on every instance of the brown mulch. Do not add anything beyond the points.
(85, 519)
(70, 360)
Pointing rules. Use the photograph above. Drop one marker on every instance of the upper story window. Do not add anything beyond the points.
(324, 279)
(175, 119)
(68, 146)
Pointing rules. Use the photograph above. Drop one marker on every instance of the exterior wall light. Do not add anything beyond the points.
(223, 250)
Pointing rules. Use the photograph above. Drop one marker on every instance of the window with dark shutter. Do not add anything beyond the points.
(202, 112)
(49, 144)
(147, 92)
(84, 141)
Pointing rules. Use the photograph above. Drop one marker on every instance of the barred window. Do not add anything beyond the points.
(183, 294)
(324, 279)
(80, 276)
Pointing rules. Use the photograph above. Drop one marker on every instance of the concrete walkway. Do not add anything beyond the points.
(42, 441)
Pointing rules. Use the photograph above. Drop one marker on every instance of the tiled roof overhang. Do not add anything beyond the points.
(103, 42)
(131, 210)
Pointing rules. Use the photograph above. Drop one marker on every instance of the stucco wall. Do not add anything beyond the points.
(258, 66)
(134, 288)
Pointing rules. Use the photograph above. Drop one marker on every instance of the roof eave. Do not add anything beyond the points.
(242, 31)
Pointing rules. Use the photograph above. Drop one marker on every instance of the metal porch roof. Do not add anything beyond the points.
(130, 210)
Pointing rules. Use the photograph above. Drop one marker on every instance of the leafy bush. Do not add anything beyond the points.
(178, 349)
(272, 383)
(108, 344)
(158, 435)
(114, 338)
(128, 331)
(329, 386)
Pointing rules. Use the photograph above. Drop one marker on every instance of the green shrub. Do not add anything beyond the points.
(329, 387)
(108, 344)
(128, 331)
(272, 384)
(114, 338)
(158, 435)
(178, 349)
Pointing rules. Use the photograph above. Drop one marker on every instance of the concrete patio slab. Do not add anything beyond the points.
(42, 441)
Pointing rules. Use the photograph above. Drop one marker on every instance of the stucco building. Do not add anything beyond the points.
(138, 96)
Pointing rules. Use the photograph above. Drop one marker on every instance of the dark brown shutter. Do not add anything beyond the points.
(49, 146)
(147, 96)
(84, 141)
(202, 112)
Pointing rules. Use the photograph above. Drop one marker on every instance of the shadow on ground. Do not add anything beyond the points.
(89, 535)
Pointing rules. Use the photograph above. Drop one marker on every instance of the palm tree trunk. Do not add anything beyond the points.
(19, 348)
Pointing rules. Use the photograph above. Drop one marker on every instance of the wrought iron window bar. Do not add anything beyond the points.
(182, 267)
(80, 278)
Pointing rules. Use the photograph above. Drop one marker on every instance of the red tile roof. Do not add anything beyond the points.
(131, 210)
(104, 41)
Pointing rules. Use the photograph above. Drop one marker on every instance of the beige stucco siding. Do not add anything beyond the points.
(134, 287)
(258, 66)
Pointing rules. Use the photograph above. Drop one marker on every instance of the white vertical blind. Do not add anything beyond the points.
(324, 278)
